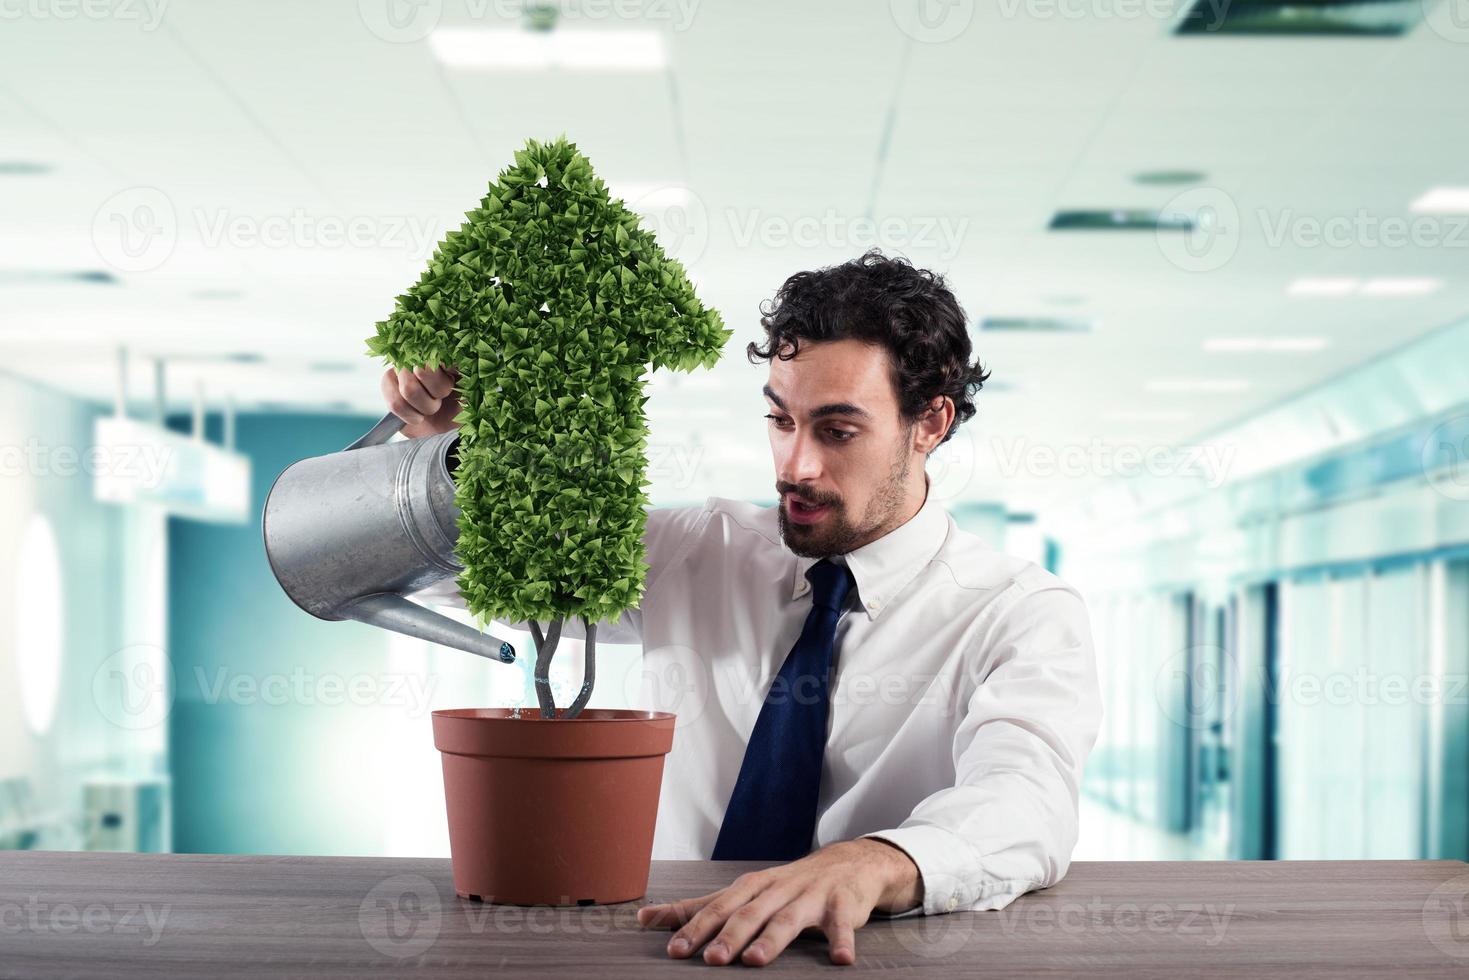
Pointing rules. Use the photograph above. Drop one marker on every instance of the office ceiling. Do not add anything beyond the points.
(250, 138)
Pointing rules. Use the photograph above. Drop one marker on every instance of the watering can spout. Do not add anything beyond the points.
(391, 611)
(351, 534)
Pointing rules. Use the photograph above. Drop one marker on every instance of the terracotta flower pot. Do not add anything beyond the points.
(550, 811)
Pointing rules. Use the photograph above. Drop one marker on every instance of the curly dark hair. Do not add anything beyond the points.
(884, 301)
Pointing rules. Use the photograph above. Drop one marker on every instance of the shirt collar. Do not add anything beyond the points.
(882, 568)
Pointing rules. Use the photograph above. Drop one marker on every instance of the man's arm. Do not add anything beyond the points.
(1009, 823)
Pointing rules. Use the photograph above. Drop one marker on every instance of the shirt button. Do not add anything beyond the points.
(874, 604)
(953, 902)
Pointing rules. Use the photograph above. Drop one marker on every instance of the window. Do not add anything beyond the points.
(38, 623)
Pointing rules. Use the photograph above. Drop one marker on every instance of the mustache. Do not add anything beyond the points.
(807, 495)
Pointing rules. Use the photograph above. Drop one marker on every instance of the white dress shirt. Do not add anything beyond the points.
(964, 696)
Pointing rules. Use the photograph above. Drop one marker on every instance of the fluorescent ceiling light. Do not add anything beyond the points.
(1381, 286)
(1144, 416)
(1323, 287)
(1297, 345)
(508, 49)
(1443, 200)
(1212, 386)
(1400, 287)
(1241, 345)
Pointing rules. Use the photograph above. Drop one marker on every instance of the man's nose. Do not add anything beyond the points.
(802, 462)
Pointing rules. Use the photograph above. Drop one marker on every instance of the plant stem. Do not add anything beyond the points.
(589, 672)
(544, 652)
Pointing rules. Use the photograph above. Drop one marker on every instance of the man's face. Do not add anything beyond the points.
(843, 453)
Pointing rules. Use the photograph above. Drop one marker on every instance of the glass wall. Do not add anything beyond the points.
(1356, 687)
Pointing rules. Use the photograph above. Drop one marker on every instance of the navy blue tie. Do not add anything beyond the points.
(772, 812)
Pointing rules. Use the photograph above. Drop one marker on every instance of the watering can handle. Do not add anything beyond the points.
(379, 433)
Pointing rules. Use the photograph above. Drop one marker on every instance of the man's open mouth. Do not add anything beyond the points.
(802, 512)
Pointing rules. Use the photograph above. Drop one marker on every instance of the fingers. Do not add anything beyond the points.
(397, 404)
(775, 907)
(438, 382)
(732, 901)
(758, 916)
(837, 915)
(415, 394)
(842, 920)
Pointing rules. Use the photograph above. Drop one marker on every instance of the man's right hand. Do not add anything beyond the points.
(425, 400)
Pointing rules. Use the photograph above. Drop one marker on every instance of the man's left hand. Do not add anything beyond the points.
(754, 919)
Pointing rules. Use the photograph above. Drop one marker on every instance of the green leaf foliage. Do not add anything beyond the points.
(552, 302)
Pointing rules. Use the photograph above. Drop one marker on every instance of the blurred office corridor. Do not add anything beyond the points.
(1216, 257)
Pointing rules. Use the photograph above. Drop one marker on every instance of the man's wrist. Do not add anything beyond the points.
(901, 882)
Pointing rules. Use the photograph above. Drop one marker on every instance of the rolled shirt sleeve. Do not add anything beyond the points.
(1009, 824)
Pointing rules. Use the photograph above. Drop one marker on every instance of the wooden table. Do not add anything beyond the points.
(125, 915)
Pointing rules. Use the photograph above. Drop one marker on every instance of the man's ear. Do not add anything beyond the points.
(931, 427)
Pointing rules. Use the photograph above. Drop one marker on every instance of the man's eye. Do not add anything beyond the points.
(779, 420)
(840, 435)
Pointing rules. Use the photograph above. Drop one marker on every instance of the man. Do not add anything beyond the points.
(857, 673)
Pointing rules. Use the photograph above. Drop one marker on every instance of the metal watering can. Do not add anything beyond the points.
(351, 534)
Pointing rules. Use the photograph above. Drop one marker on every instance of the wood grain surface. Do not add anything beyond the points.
(216, 916)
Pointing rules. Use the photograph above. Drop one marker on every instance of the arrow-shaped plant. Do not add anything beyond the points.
(552, 302)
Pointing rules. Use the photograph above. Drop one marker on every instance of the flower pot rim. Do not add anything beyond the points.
(590, 715)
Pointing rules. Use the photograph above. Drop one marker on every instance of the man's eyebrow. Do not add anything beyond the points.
(837, 408)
